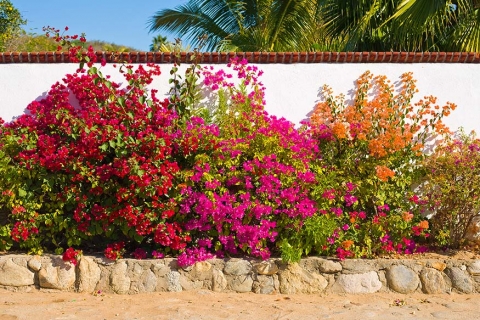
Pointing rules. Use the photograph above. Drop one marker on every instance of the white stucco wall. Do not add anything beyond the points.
(291, 89)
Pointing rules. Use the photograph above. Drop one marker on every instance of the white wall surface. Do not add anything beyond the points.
(291, 89)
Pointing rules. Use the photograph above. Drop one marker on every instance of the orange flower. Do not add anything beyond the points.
(383, 173)
(423, 224)
(339, 130)
(347, 244)
(407, 216)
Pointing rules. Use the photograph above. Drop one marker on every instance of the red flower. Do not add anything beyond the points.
(71, 255)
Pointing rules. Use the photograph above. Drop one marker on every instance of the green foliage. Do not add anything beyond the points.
(311, 238)
(157, 43)
(10, 23)
(452, 188)
(247, 25)
(327, 25)
(32, 42)
(184, 92)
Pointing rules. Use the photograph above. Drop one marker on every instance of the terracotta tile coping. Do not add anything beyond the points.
(254, 57)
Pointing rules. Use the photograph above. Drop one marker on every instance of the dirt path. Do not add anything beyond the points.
(208, 305)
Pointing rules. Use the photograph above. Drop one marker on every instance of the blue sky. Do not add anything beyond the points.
(120, 21)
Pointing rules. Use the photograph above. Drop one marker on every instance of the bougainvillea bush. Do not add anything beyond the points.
(451, 188)
(371, 156)
(254, 188)
(113, 169)
(95, 166)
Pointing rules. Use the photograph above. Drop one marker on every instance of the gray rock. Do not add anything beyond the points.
(160, 270)
(294, 279)
(474, 268)
(264, 285)
(329, 266)
(57, 274)
(460, 280)
(241, 283)
(266, 267)
(35, 263)
(402, 279)
(173, 281)
(188, 284)
(201, 271)
(11, 274)
(88, 275)
(432, 281)
(237, 267)
(219, 282)
(473, 230)
(148, 282)
(359, 283)
(119, 281)
(356, 266)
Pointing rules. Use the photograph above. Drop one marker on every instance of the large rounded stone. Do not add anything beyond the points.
(294, 279)
(242, 283)
(402, 279)
(119, 281)
(432, 281)
(329, 266)
(264, 285)
(219, 282)
(148, 281)
(35, 263)
(359, 283)
(460, 280)
(11, 274)
(201, 271)
(88, 275)
(57, 274)
(173, 281)
(237, 267)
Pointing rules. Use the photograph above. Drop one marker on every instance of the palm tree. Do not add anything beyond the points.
(157, 43)
(244, 25)
(406, 25)
(328, 25)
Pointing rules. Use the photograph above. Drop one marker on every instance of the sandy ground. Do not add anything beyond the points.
(208, 305)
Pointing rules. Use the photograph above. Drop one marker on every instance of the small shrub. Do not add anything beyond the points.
(452, 188)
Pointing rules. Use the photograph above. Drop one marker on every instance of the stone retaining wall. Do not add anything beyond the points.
(312, 275)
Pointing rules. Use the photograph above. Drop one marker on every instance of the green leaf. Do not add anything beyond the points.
(104, 147)
(21, 193)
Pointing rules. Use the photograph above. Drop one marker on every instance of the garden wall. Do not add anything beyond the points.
(312, 275)
(292, 80)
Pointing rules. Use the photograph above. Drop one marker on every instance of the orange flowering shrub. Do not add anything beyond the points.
(371, 150)
(387, 123)
(377, 140)
(383, 173)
